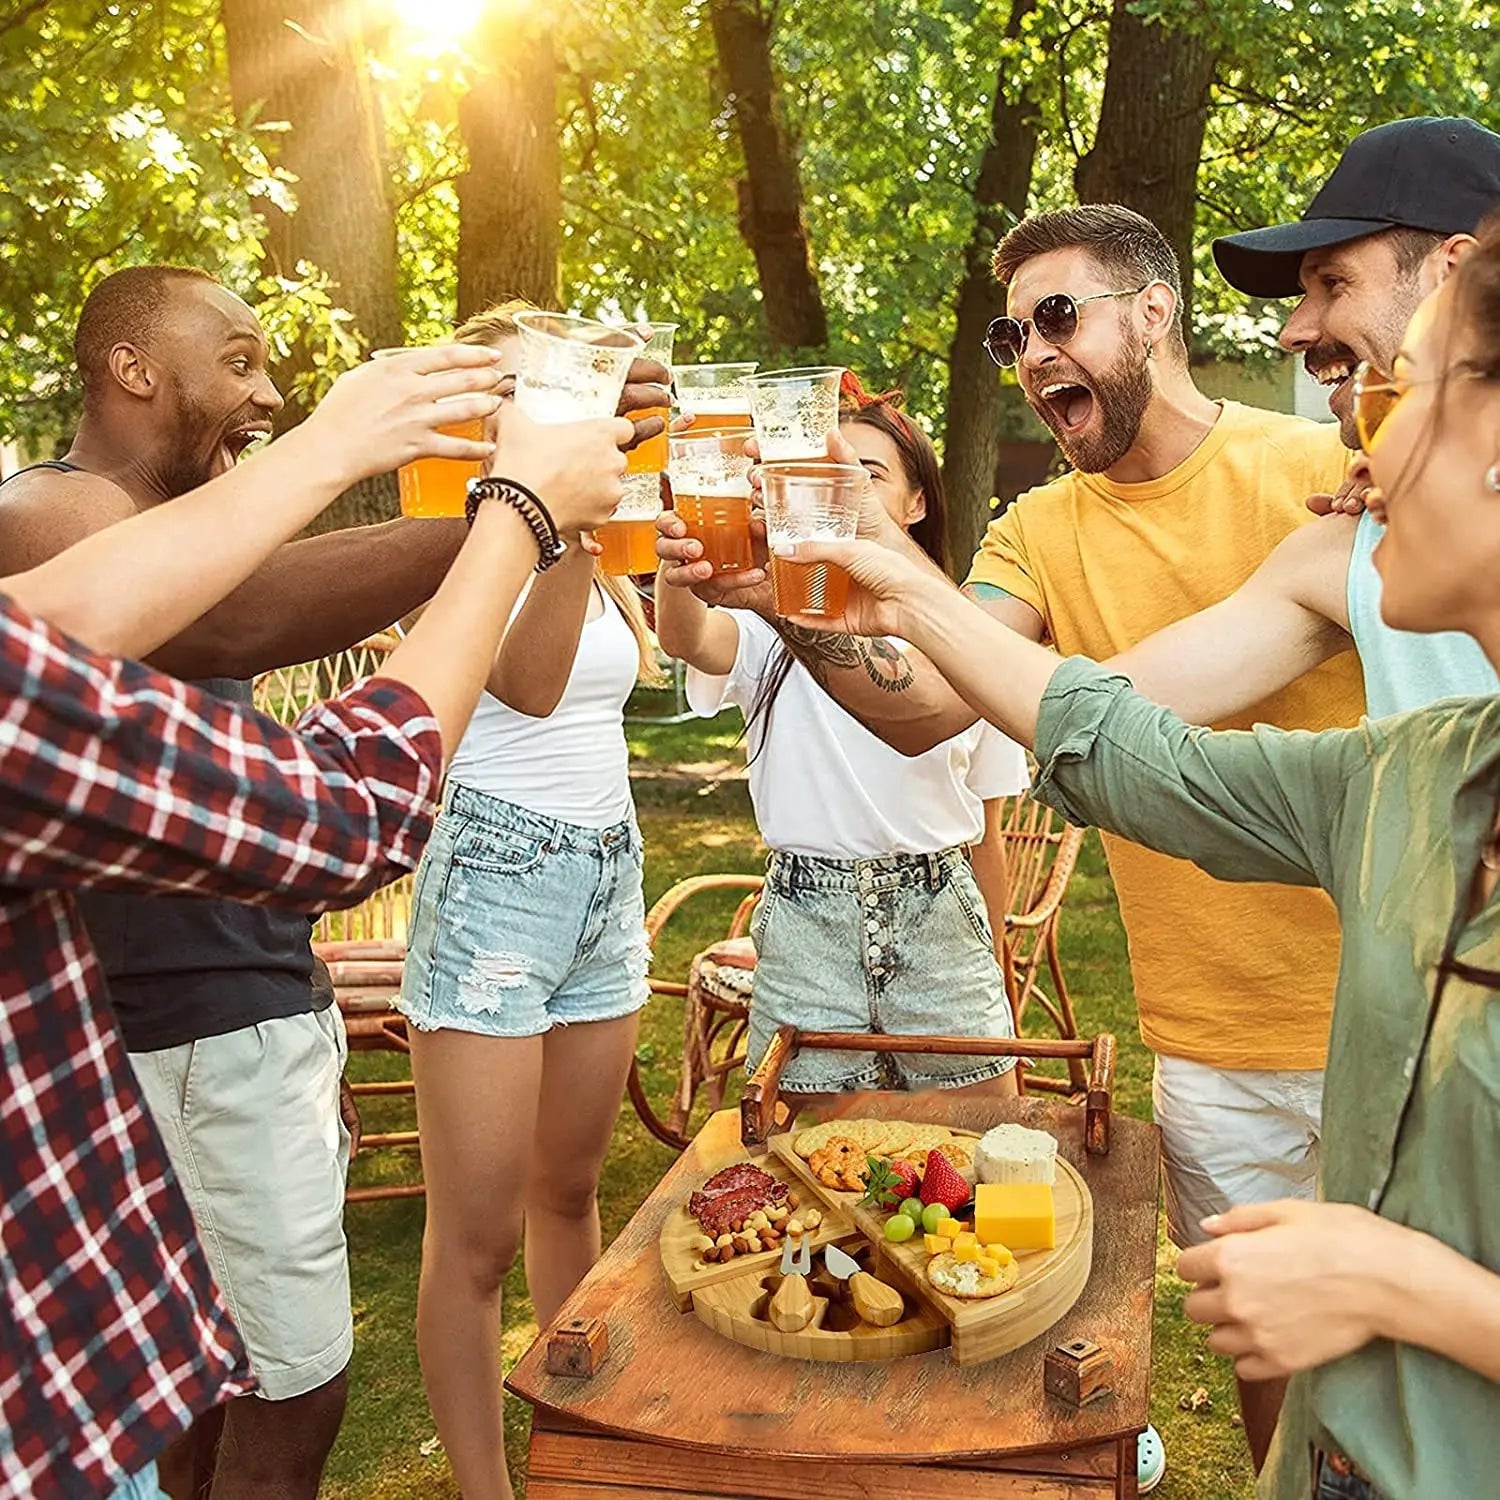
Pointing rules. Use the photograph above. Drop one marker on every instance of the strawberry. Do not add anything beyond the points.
(944, 1184)
(887, 1183)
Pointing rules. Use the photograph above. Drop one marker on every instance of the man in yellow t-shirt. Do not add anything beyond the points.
(1173, 502)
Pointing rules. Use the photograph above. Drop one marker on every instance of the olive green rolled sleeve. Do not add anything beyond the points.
(1259, 804)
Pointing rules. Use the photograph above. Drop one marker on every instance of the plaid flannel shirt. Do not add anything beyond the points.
(112, 1334)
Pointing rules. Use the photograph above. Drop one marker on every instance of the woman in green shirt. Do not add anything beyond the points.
(1382, 1301)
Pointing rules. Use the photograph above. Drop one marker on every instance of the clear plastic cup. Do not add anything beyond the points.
(717, 396)
(794, 411)
(571, 369)
(650, 457)
(437, 487)
(710, 476)
(810, 502)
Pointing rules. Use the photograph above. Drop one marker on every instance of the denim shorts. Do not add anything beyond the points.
(521, 923)
(1331, 1485)
(142, 1485)
(898, 944)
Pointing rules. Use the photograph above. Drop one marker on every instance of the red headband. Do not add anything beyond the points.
(852, 391)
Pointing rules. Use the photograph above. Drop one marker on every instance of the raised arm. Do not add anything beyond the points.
(531, 670)
(687, 628)
(1289, 616)
(1258, 805)
(124, 582)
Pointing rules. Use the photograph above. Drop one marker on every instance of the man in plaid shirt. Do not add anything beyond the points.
(119, 1335)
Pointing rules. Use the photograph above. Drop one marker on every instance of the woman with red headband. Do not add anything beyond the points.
(872, 919)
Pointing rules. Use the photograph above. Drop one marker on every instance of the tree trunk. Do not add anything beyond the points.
(770, 197)
(301, 64)
(1151, 123)
(971, 419)
(510, 198)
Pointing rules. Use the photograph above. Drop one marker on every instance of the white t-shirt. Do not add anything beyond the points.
(573, 765)
(823, 785)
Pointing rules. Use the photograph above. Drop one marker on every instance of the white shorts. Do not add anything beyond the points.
(252, 1124)
(1232, 1136)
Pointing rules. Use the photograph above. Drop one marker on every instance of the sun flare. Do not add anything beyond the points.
(439, 22)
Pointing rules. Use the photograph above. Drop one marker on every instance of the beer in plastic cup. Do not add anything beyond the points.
(629, 536)
(808, 502)
(571, 369)
(794, 411)
(650, 457)
(431, 487)
(710, 476)
(717, 396)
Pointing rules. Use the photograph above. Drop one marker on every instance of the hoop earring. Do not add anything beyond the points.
(1492, 479)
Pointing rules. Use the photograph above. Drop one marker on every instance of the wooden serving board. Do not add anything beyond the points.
(1051, 1280)
(737, 1310)
(678, 1261)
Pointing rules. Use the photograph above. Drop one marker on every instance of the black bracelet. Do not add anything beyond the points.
(549, 544)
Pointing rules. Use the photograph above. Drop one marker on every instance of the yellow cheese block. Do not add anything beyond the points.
(937, 1243)
(966, 1251)
(1019, 1215)
(966, 1238)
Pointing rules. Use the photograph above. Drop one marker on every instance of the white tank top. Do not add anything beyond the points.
(573, 765)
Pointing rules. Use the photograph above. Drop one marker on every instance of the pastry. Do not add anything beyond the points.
(839, 1163)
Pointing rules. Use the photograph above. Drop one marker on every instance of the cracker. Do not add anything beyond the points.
(868, 1133)
(942, 1272)
(815, 1136)
(925, 1137)
(895, 1139)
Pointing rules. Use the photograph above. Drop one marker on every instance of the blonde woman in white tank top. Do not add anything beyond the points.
(525, 975)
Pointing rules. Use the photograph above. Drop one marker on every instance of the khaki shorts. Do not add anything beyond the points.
(252, 1124)
(1231, 1136)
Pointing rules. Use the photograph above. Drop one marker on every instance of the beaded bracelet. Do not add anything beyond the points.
(549, 544)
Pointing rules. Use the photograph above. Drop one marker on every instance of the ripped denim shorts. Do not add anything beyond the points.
(521, 923)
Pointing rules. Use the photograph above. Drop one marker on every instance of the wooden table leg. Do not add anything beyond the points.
(1125, 1484)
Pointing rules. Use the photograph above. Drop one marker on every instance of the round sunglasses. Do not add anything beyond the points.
(1376, 396)
(1055, 318)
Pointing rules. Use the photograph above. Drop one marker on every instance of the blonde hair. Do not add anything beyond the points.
(489, 327)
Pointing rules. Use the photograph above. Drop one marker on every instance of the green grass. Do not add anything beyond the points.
(697, 824)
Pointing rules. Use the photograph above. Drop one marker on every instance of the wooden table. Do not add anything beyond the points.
(676, 1411)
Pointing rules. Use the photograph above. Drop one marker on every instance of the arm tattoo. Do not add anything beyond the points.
(885, 666)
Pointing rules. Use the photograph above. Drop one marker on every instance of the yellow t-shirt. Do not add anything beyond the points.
(1236, 976)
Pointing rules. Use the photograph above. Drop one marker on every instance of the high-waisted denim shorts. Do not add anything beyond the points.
(521, 923)
(899, 944)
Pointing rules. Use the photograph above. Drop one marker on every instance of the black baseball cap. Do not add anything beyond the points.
(1441, 175)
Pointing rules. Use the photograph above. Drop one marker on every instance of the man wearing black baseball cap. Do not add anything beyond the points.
(1380, 235)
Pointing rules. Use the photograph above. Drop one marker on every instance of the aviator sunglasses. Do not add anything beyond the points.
(1055, 318)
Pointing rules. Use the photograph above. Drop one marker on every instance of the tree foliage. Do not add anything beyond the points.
(117, 144)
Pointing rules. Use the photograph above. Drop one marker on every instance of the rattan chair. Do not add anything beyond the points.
(364, 946)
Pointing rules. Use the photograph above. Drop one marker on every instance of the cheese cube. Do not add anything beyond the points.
(1019, 1215)
(965, 1239)
(966, 1251)
(951, 1227)
(987, 1266)
(937, 1243)
(1000, 1253)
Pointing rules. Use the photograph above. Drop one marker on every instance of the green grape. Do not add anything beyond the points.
(913, 1208)
(898, 1228)
(933, 1215)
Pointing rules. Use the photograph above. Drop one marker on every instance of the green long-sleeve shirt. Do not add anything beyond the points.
(1389, 819)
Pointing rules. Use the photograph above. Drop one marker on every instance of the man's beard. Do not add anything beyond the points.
(1121, 396)
(196, 449)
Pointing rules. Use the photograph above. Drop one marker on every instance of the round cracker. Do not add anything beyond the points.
(815, 1136)
(868, 1133)
(895, 1139)
(925, 1137)
(988, 1286)
(957, 1152)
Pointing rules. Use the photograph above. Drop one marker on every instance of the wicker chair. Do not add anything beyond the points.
(365, 946)
(1041, 854)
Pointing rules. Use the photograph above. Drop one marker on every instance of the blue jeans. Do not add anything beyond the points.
(897, 944)
(521, 923)
(1334, 1486)
(142, 1485)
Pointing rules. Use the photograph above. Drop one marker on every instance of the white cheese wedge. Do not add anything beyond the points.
(1012, 1153)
